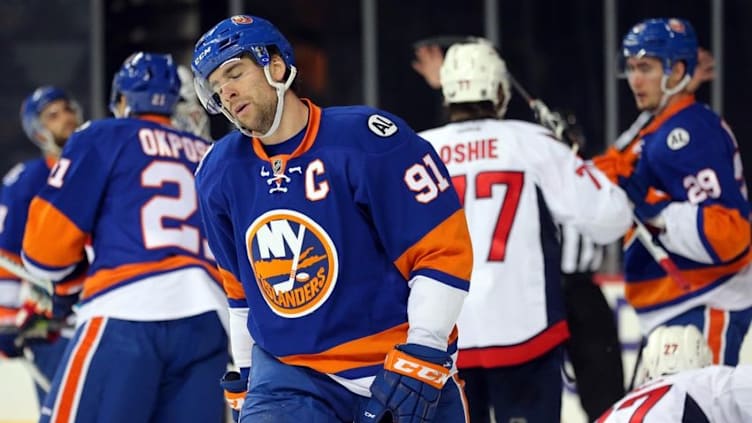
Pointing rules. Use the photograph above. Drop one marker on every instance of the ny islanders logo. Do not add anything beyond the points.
(294, 261)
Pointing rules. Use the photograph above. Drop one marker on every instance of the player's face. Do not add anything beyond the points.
(644, 75)
(60, 118)
(245, 93)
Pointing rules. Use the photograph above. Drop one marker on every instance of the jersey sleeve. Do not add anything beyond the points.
(62, 215)
(407, 192)
(707, 221)
(14, 205)
(577, 193)
(219, 233)
(13, 208)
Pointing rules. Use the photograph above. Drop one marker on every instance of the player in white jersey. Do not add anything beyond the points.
(593, 347)
(517, 182)
(682, 387)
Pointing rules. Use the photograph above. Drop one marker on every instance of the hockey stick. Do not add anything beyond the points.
(660, 255)
(549, 119)
(638, 361)
(36, 375)
(21, 272)
(27, 361)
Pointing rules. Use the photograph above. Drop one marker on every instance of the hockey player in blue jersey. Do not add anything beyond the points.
(150, 338)
(344, 250)
(684, 175)
(48, 116)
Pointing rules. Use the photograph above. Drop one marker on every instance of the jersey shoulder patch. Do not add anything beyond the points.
(677, 138)
(381, 125)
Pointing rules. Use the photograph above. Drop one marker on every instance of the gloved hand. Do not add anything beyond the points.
(551, 120)
(41, 317)
(235, 388)
(615, 164)
(409, 387)
(646, 207)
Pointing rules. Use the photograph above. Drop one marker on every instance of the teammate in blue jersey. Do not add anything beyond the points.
(344, 250)
(684, 175)
(48, 116)
(150, 338)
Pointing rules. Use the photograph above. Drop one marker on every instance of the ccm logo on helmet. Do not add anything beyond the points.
(426, 372)
(202, 55)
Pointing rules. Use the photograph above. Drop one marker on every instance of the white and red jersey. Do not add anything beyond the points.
(517, 183)
(717, 394)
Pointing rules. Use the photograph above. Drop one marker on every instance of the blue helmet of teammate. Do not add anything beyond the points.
(31, 109)
(232, 38)
(667, 39)
(149, 82)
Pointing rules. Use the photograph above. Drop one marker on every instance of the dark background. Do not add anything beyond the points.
(554, 48)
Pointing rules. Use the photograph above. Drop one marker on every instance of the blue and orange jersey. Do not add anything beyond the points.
(20, 185)
(320, 235)
(690, 157)
(126, 185)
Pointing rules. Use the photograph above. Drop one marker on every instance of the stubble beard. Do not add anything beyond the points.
(264, 117)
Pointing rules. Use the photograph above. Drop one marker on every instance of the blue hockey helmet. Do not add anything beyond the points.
(32, 108)
(667, 39)
(149, 82)
(229, 39)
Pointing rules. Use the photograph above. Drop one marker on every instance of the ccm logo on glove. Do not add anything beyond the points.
(432, 374)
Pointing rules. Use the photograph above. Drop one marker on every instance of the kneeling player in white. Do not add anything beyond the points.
(682, 386)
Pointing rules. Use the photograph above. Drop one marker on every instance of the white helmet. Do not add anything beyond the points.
(672, 349)
(472, 72)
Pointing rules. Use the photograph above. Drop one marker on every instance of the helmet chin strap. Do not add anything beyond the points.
(280, 88)
(50, 148)
(668, 92)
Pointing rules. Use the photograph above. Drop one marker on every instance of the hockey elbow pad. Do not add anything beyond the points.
(409, 387)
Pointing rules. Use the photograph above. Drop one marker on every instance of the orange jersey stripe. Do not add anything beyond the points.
(5, 274)
(233, 287)
(663, 289)
(362, 352)
(681, 102)
(46, 222)
(436, 251)
(107, 278)
(13, 256)
(716, 321)
(80, 358)
(71, 286)
(465, 404)
(726, 231)
(8, 316)
(654, 196)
